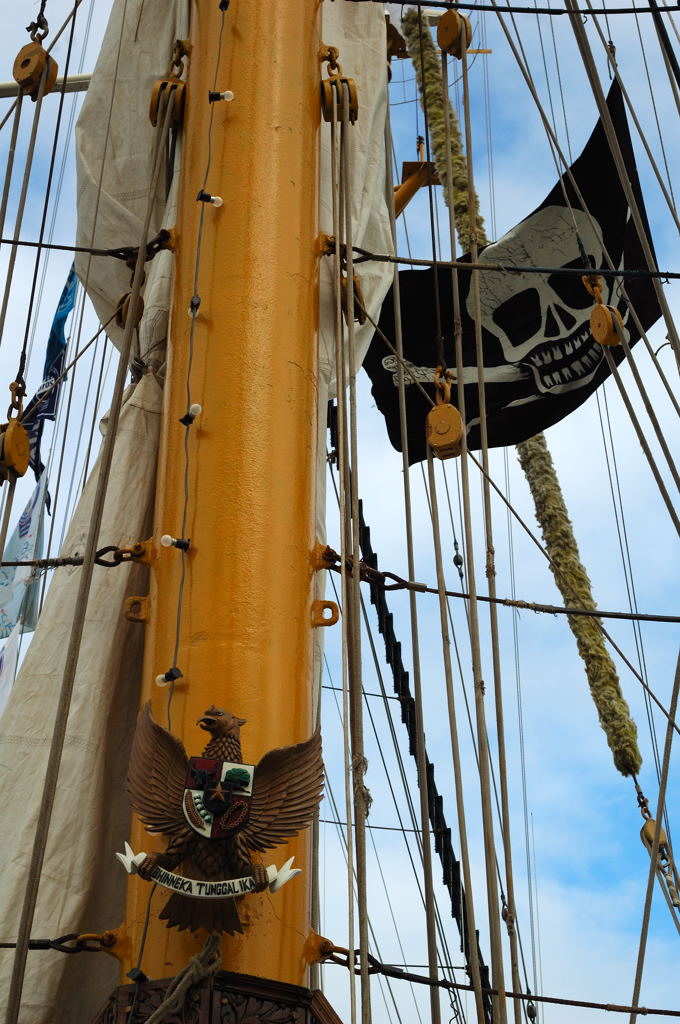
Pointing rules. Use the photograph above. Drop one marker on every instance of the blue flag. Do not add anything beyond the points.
(45, 408)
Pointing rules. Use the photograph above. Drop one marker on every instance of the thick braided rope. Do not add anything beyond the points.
(207, 963)
(534, 457)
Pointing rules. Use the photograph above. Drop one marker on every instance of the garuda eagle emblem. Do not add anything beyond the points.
(215, 811)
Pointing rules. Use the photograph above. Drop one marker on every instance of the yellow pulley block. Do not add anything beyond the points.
(603, 318)
(647, 835)
(16, 449)
(444, 425)
(343, 86)
(123, 310)
(602, 326)
(453, 32)
(29, 67)
(160, 95)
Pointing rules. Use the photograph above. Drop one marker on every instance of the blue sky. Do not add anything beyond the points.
(590, 867)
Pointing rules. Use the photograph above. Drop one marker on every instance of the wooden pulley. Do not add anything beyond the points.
(29, 67)
(16, 449)
(602, 326)
(160, 94)
(452, 29)
(444, 425)
(123, 310)
(337, 80)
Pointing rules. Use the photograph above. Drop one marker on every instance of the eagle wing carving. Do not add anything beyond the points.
(158, 767)
(286, 793)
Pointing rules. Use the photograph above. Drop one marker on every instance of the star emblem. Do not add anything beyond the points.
(218, 793)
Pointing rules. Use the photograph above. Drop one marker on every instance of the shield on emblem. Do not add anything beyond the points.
(217, 796)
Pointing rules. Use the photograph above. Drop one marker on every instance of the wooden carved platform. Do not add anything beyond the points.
(225, 999)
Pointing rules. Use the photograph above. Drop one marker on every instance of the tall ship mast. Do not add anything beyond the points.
(203, 733)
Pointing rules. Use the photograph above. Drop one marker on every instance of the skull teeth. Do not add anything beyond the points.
(570, 360)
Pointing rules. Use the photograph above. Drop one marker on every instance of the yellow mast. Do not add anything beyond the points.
(246, 634)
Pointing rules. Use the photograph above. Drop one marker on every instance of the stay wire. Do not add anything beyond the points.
(359, 764)
(423, 794)
(605, 632)
(497, 798)
(637, 426)
(337, 821)
(480, 711)
(520, 730)
(652, 98)
(28, 164)
(86, 280)
(605, 117)
(626, 560)
(95, 409)
(568, 173)
(654, 852)
(389, 782)
(671, 19)
(624, 549)
(667, 192)
(483, 1009)
(61, 429)
(76, 483)
(9, 166)
(405, 783)
(551, 22)
(46, 246)
(48, 188)
(343, 837)
(338, 199)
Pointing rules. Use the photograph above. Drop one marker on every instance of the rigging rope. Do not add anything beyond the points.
(607, 636)
(461, 905)
(346, 958)
(378, 579)
(556, 149)
(467, 924)
(442, 834)
(558, 535)
(338, 199)
(342, 835)
(9, 166)
(80, 608)
(361, 795)
(49, 49)
(654, 852)
(28, 163)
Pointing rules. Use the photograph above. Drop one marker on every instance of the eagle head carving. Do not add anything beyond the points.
(219, 722)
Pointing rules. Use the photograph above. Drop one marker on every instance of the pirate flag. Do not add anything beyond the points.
(540, 359)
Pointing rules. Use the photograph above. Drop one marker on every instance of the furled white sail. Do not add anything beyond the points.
(115, 153)
(80, 888)
(358, 31)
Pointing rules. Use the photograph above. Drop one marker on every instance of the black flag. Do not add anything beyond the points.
(541, 361)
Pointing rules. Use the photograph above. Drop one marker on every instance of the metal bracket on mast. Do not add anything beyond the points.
(136, 608)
